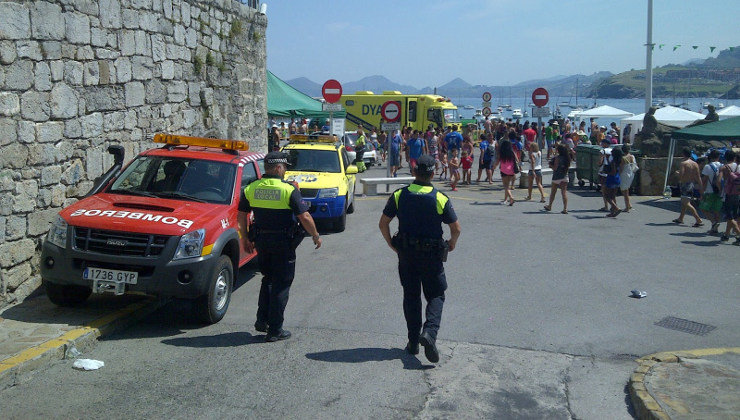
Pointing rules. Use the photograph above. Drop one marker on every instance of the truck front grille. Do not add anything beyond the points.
(119, 243)
(309, 192)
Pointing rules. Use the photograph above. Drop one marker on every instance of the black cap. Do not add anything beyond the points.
(274, 158)
(425, 164)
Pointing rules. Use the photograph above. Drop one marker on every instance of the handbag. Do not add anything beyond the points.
(516, 167)
(633, 165)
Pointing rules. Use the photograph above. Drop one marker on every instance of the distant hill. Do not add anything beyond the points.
(306, 86)
(713, 77)
(376, 84)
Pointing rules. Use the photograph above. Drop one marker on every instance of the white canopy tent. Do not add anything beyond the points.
(603, 111)
(668, 115)
(729, 112)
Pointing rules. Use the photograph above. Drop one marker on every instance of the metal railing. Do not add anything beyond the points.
(254, 4)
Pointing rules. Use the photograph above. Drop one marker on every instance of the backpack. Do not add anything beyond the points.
(715, 180)
(732, 183)
(490, 151)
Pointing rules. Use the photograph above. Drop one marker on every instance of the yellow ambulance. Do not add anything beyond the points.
(417, 111)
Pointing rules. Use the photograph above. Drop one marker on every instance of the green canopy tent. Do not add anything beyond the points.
(283, 100)
(726, 130)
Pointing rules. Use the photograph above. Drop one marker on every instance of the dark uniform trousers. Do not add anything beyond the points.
(420, 271)
(276, 260)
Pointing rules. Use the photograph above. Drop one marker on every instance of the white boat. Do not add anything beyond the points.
(469, 107)
(572, 114)
(517, 113)
(526, 113)
(720, 105)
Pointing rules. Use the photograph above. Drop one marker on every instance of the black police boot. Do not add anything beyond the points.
(430, 349)
(260, 326)
(412, 348)
(280, 335)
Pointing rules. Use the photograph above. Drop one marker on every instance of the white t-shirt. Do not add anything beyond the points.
(536, 160)
(710, 170)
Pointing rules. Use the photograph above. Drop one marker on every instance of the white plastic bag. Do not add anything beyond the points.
(87, 364)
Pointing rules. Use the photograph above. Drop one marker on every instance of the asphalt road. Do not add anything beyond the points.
(538, 323)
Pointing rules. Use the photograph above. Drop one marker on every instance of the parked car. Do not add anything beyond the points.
(370, 157)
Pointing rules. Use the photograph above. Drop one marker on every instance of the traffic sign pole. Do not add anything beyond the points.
(540, 96)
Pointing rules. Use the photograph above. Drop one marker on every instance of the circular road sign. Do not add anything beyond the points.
(486, 96)
(391, 111)
(540, 97)
(486, 111)
(331, 91)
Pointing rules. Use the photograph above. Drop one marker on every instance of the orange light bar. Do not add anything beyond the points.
(318, 138)
(178, 140)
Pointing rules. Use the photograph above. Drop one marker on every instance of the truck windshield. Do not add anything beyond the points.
(312, 160)
(176, 178)
(451, 115)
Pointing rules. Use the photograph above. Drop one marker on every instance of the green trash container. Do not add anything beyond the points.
(587, 164)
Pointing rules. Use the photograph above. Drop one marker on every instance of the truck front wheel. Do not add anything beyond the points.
(66, 294)
(213, 305)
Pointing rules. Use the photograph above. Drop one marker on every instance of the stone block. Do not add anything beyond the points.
(98, 37)
(18, 75)
(8, 54)
(73, 72)
(40, 221)
(88, 7)
(159, 48)
(191, 38)
(41, 154)
(177, 91)
(58, 195)
(63, 101)
(42, 76)
(142, 43)
(104, 72)
(2, 229)
(14, 156)
(167, 8)
(57, 70)
(123, 70)
(92, 125)
(127, 43)
(51, 175)
(135, 94)
(35, 106)
(141, 68)
(148, 21)
(6, 202)
(49, 132)
(185, 13)
(72, 129)
(29, 49)
(8, 129)
(15, 227)
(189, 118)
(17, 275)
(51, 50)
(104, 98)
(73, 172)
(113, 121)
(130, 18)
(129, 120)
(77, 28)
(94, 162)
(156, 93)
(24, 199)
(141, 4)
(179, 34)
(110, 14)
(91, 73)
(15, 252)
(112, 41)
(85, 52)
(9, 103)
(47, 21)
(168, 70)
(206, 96)
(26, 132)
(16, 21)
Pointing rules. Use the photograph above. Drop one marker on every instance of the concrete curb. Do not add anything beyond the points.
(82, 338)
(646, 407)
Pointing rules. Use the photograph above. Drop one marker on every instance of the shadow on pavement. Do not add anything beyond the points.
(662, 203)
(662, 224)
(39, 310)
(485, 203)
(702, 243)
(690, 234)
(590, 217)
(369, 354)
(232, 339)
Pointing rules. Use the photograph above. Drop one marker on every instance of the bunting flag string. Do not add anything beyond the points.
(695, 47)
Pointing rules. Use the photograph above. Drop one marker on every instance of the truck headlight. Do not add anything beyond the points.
(58, 233)
(328, 192)
(190, 245)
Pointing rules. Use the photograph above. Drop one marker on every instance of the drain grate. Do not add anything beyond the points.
(684, 325)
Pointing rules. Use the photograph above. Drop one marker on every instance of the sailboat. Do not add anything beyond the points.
(568, 104)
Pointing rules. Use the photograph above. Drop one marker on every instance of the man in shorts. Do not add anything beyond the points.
(689, 178)
(711, 202)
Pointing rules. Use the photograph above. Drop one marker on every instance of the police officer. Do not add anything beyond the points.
(421, 209)
(275, 234)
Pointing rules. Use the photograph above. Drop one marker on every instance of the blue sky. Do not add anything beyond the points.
(429, 43)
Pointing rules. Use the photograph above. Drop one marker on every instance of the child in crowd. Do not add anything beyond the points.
(467, 164)
(443, 164)
(454, 170)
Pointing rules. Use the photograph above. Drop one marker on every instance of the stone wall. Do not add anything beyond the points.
(79, 75)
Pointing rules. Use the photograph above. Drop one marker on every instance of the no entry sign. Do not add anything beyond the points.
(540, 97)
(391, 111)
(486, 96)
(331, 91)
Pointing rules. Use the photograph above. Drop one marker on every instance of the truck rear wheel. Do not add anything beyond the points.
(66, 294)
(213, 305)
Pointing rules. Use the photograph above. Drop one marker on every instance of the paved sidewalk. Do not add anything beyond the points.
(702, 383)
(35, 331)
